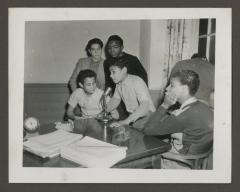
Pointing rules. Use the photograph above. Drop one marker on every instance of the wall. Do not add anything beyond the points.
(159, 47)
(45, 101)
(52, 48)
(145, 42)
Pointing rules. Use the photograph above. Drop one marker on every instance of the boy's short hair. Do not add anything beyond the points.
(83, 74)
(120, 63)
(91, 42)
(189, 78)
(115, 38)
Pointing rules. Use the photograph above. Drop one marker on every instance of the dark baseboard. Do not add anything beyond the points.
(45, 101)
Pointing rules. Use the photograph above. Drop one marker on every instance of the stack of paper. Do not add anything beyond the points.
(64, 126)
(49, 145)
(91, 152)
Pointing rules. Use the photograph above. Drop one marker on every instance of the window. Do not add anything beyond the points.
(207, 32)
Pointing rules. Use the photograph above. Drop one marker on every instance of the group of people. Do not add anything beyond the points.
(93, 74)
(190, 85)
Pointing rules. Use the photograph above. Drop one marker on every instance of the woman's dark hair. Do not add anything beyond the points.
(189, 78)
(83, 74)
(91, 42)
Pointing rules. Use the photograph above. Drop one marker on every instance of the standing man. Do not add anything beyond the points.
(114, 51)
(199, 64)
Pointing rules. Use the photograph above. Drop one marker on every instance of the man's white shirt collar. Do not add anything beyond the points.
(188, 101)
(183, 106)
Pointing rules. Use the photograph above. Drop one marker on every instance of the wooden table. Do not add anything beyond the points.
(143, 151)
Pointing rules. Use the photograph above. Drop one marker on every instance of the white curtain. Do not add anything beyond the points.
(175, 42)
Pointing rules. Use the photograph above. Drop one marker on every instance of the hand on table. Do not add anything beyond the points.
(83, 117)
(65, 126)
(71, 122)
(118, 124)
(100, 115)
(115, 114)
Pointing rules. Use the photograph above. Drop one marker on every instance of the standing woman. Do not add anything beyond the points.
(94, 62)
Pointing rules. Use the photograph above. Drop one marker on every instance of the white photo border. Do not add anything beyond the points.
(221, 172)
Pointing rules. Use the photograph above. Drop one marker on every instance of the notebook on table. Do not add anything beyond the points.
(48, 145)
(90, 152)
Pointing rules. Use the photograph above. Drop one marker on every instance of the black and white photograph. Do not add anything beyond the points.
(119, 95)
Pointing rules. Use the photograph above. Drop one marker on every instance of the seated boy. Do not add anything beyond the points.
(88, 96)
(133, 91)
(191, 126)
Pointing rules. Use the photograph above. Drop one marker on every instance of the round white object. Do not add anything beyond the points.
(31, 124)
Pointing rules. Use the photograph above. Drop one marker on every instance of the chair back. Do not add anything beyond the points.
(202, 152)
(202, 160)
(201, 148)
(199, 159)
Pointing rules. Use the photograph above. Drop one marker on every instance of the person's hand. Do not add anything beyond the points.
(71, 122)
(115, 114)
(169, 99)
(118, 124)
(100, 115)
(83, 117)
(78, 117)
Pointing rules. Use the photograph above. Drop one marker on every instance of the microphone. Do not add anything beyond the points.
(107, 91)
(105, 117)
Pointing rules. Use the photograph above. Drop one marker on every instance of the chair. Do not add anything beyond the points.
(193, 161)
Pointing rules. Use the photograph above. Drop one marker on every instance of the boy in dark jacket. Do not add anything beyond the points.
(191, 126)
